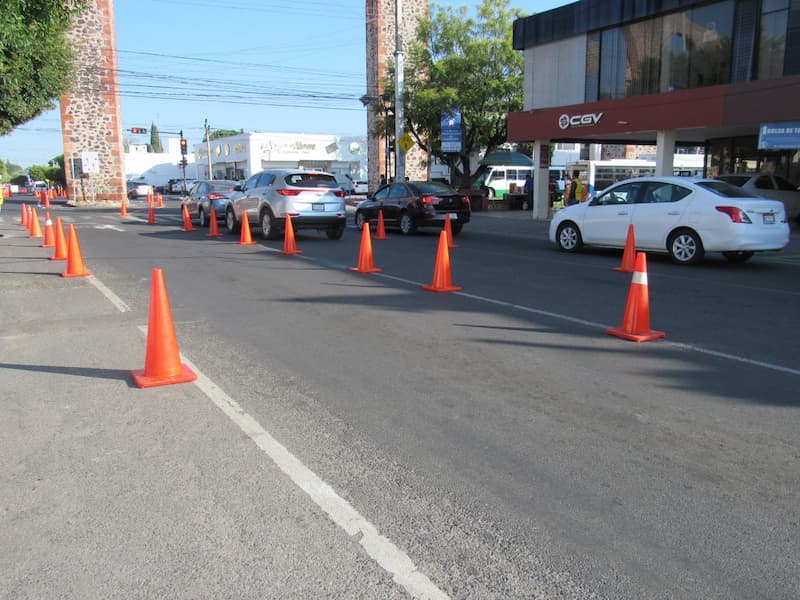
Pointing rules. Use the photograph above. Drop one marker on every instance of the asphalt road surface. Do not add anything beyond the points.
(353, 435)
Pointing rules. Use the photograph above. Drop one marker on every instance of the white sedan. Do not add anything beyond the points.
(682, 216)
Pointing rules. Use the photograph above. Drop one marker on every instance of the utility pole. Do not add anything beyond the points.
(208, 151)
(400, 155)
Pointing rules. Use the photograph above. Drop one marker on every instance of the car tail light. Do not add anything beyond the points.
(429, 199)
(339, 193)
(216, 196)
(288, 192)
(465, 200)
(736, 214)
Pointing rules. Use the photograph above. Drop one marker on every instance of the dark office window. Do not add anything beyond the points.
(710, 35)
(772, 38)
(592, 66)
(613, 64)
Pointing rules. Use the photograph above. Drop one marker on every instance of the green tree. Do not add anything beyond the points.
(465, 63)
(35, 58)
(155, 139)
(220, 133)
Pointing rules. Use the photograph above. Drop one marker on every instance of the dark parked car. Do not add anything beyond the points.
(206, 194)
(412, 204)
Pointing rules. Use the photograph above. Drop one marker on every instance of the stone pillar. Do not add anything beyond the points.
(541, 179)
(380, 17)
(90, 113)
(665, 152)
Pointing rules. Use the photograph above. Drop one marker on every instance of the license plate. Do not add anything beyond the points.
(318, 206)
(769, 219)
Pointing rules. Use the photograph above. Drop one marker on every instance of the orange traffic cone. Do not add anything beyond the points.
(36, 227)
(380, 234)
(629, 255)
(365, 262)
(213, 226)
(75, 266)
(442, 280)
(289, 245)
(246, 239)
(151, 214)
(449, 229)
(24, 218)
(150, 198)
(46, 198)
(49, 234)
(162, 362)
(187, 220)
(159, 200)
(61, 242)
(123, 208)
(636, 320)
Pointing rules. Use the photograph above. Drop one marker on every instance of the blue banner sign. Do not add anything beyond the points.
(451, 132)
(779, 136)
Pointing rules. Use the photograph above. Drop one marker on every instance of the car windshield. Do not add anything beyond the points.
(725, 190)
(424, 188)
(311, 180)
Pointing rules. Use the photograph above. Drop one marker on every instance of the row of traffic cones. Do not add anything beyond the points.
(162, 365)
(636, 318)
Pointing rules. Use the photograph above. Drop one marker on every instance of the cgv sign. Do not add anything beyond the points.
(589, 119)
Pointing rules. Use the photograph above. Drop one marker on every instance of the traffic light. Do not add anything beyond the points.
(184, 149)
(138, 129)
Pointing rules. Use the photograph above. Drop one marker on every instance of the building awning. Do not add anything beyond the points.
(507, 158)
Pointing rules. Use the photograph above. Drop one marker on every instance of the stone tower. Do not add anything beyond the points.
(90, 113)
(381, 29)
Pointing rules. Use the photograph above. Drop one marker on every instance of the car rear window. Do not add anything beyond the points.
(725, 190)
(222, 186)
(432, 187)
(737, 180)
(311, 180)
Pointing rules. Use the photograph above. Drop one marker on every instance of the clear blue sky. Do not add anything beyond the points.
(257, 65)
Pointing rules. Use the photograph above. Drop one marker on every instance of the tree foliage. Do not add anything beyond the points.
(35, 58)
(155, 139)
(465, 63)
(221, 133)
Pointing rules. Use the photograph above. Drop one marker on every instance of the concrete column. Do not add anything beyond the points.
(665, 152)
(541, 179)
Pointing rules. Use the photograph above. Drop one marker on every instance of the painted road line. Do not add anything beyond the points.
(112, 297)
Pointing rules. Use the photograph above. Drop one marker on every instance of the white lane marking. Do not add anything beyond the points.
(391, 558)
(112, 297)
(114, 227)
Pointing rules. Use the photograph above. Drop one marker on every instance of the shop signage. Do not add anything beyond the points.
(779, 136)
(566, 121)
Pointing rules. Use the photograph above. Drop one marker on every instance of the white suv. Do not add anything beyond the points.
(313, 199)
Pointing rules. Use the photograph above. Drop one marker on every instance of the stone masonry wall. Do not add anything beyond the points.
(90, 113)
(380, 17)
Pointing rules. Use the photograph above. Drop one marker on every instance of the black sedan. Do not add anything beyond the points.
(408, 205)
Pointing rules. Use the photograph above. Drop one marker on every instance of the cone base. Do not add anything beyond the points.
(84, 274)
(635, 337)
(58, 258)
(247, 243)
(47, 246)
(360, 270)
(432, 288)
(143, 381)
(290, 253)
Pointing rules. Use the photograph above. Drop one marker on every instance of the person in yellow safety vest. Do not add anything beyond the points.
(576, 190)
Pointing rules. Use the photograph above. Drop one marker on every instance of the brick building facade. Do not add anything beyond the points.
(90, 113)
(381, 27)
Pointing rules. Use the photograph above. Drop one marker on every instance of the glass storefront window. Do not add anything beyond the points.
(710, 44)
(772, 43)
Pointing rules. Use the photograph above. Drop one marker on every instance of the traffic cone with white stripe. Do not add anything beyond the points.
(636, 320)
(49, 234)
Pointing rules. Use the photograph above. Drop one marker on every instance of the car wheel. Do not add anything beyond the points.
(268, 225)
(738, 257)
(360, 219)
(456, 228)
(492, 193)
(526, 204)
(201, 216)
(407, 225)
(335, 233)
(685, 247)
(569, 237)
(230, 221)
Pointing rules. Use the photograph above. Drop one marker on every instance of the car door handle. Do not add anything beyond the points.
(673, 213)
(624, 212)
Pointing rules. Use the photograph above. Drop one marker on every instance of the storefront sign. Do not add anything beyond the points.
(779, 136)
(566, 121)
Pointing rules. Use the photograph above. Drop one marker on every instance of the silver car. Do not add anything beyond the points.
(206, 194)
(768, 186)
(313, 199)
